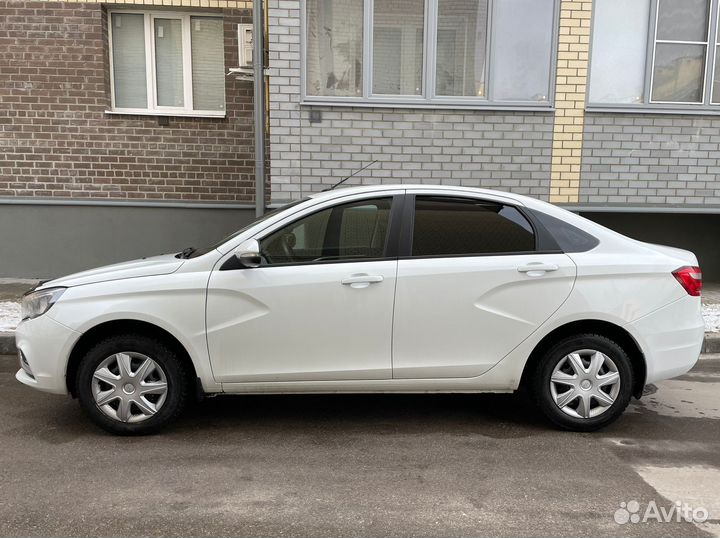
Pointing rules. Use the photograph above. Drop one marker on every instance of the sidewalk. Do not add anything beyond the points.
(11, 290)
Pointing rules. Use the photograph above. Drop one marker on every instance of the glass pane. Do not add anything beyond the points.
(461, 44)
(683, 20)
(169, 62)
(334, 47)
(716, 77)
(346, 232)
(522, 49)
(568, 237)
(128, 50)
(619, 47)
(456, 227)
(678, 73)
(208, 63)
(398, 46)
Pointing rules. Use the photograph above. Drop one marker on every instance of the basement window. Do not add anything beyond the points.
(166, 63)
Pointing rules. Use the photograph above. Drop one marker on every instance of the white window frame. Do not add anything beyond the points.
(428, 98)
(706, 106)
(153, 108)
(706, 65)
(712, 56)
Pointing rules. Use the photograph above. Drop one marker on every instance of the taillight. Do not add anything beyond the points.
(690, 278)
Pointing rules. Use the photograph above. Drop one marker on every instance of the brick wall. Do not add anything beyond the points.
(570, 85)
(501, 150)
(642, 159)
(57, 141)
(505, 151)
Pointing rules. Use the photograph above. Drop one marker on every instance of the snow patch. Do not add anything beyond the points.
(711, 314)
(9, 315)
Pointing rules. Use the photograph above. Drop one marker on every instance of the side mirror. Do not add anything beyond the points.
(248, 254)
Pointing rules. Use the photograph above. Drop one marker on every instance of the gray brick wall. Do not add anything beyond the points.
(643, 159)
(500, 150)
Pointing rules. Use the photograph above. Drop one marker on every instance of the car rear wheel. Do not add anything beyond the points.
(584, 382)
(131, 384)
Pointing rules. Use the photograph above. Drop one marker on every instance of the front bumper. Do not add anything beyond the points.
(45, 345)
(671, 338)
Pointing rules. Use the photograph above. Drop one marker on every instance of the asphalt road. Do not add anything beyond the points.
(410, 465)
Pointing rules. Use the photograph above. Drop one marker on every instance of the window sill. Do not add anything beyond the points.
(653, 110)
(141, 112)
(428, 105)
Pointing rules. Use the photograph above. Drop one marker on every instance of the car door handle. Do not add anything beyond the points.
(361, 281)
(537, 269)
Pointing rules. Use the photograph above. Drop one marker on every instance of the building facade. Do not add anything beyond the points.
(125, 133)
(122, 133)
(608, 107)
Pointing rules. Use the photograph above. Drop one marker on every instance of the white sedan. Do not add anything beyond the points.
(374, 289)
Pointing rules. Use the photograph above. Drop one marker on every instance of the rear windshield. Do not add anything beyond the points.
(568, 237)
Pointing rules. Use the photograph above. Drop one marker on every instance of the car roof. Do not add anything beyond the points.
(350, 190)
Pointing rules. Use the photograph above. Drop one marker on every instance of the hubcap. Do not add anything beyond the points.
(585, 383)
(129, 387)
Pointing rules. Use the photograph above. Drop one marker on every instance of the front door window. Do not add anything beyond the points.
(350, 232)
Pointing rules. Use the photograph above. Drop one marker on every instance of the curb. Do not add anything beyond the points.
(7, 343)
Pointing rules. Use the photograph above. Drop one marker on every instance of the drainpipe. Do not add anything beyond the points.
(259, 102)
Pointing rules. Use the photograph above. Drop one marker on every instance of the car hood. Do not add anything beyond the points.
(156, 265)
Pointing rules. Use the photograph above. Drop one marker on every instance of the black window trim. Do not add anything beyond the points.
(544, 242)
(390, 249)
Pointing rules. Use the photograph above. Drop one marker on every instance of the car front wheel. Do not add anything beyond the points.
(584, 382)
(131, 384)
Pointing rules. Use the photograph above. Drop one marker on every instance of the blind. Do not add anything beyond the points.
(208, 65)
(169, 62)
(128, 46)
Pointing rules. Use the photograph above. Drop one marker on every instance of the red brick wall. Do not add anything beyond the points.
(57, 141)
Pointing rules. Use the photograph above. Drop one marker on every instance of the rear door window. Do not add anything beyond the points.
(449, 226)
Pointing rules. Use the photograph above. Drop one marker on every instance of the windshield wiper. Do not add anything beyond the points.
(186, 253)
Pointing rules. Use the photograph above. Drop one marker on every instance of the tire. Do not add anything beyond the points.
(127, 404)
(585, 409)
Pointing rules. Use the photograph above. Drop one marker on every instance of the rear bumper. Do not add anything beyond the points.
(671, 338)
(45, 345)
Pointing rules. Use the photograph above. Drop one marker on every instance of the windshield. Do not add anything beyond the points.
(205, 250)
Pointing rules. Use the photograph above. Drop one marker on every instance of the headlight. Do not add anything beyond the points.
(36, 303)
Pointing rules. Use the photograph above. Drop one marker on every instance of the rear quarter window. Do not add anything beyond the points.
(568, 237)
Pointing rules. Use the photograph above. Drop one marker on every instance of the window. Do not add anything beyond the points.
(334, 53)
(346, 232)
(654, 53)
(462, 227)
(167, 63)
(398, 47)
(472, 52)
(461, 47)
(568, 237)
(681, 42)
